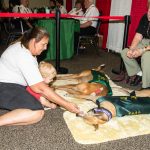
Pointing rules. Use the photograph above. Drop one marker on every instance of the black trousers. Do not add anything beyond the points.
(15, 96)
(83, 32)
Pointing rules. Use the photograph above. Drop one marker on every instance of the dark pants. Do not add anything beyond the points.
(127, 105)
(83, 32)
(14, 96)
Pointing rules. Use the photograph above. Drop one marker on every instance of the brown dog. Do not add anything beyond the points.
(90, 83)
(81, 77)
(79, 90)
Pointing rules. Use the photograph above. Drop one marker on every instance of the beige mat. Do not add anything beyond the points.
(116, 128)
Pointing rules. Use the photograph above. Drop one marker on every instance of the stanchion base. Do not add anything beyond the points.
(62, 70)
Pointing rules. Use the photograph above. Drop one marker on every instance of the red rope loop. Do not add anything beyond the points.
(44, 15)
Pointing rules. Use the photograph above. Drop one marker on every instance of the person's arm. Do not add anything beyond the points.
(140, 51)
(137, 38)
(133, 51)
(50, 94)
(86, 24)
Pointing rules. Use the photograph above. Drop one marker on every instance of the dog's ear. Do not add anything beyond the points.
(100, 67)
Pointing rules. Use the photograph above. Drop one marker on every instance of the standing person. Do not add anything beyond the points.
(23, 8)
(59, 4)
(19, 68)
(140, 47)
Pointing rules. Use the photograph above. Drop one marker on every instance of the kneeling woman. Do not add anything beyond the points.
(18, 69)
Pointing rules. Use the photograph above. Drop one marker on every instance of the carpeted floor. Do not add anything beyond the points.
(52, 133)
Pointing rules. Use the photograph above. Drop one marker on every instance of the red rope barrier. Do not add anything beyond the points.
(44, 15)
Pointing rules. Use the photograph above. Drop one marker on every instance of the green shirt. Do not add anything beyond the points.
(127, 105)
(99, 77)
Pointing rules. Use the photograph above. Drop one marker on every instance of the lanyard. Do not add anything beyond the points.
(88, 9)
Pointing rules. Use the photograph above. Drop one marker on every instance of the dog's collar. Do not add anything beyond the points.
(103, 110)
(96, 92)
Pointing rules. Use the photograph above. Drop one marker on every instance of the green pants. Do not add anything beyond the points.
(127, 105)
(133, 67)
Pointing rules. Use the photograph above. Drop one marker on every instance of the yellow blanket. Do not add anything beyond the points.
(116, 128)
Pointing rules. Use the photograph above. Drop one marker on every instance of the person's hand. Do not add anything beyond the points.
(136, 53)
(130, 53)
(73, 108)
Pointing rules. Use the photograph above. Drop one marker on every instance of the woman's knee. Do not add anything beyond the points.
(38, 115)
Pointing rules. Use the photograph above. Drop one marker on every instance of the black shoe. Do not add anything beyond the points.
(136, 81)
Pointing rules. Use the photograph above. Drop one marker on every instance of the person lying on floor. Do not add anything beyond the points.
(118, 106)
(48, 73)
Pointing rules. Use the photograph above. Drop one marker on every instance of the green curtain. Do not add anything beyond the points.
(67, 29)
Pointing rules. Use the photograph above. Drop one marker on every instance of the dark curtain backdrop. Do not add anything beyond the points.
(138, 8)
(68, 5)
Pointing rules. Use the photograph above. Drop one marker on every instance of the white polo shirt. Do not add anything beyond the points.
(91, 11)
(17, 65)
(74, 11)
(21, 9)
(63, 10)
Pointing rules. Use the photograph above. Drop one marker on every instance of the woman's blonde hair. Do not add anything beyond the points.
(45, 69)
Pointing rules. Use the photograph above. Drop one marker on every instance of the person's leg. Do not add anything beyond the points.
(131, 65)
(47, 103)
(145, 63)
(23, 108)
(143, 93)
(21, 117)
(83, 32)
(88, 31)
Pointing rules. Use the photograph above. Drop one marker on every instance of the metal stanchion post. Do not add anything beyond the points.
(59, 69)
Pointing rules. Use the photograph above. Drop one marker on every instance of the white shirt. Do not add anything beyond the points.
(19, 66)
(63, 10)
(74, 11)
(21, 9)
(91, 11)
